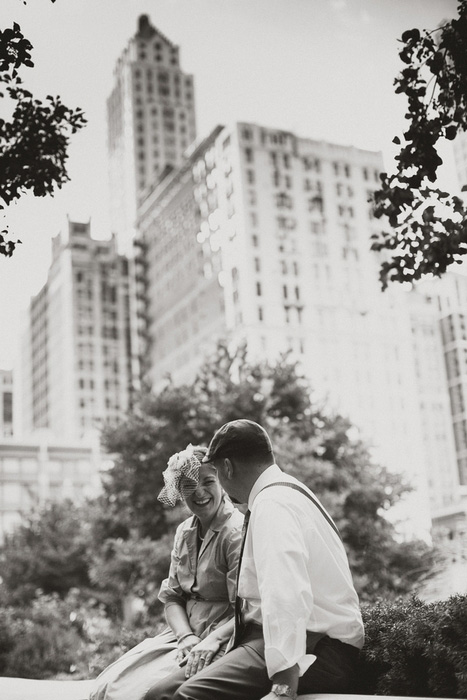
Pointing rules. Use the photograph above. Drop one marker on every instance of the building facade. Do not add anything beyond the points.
(36, 470)
(450, 296)
(437, 349)
(150, 122)
(263, 237)
(76, 345)
(6, 403)
(460, 157)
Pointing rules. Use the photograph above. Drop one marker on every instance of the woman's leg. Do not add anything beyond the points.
(166, 688)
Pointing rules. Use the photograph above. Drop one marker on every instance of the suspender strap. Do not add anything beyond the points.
(310, 497)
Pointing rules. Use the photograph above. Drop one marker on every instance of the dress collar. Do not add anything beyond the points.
(269, 476)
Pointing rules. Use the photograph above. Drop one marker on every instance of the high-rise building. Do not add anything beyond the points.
(151, 121)
(76, 349)
(460, 156)
(264, 237)
(449, 295)
(438, 337)
(6, 403)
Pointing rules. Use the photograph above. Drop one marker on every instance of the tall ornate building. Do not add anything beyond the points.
(264, 237)
(6, 403)
(76, 350)
(150, 121)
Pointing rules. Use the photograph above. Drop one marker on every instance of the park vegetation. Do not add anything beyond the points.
(71, 572)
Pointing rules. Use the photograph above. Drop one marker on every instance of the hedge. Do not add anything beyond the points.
(415, 649)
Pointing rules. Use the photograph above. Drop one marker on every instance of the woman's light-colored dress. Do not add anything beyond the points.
(204, 582)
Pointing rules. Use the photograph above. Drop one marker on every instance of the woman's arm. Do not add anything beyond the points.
(177, 619)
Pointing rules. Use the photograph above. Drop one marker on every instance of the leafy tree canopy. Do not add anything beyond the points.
(317, 447)
(34, 140)
(48, 552)
(428, 227)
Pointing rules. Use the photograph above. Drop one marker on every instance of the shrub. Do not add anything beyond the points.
(40, 641)
(53, 638)
(416, 649)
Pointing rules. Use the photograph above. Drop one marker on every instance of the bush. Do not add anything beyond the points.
(416, 649)
(55, 638)
(40, 641)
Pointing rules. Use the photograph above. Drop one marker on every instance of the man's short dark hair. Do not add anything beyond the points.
(241, 438)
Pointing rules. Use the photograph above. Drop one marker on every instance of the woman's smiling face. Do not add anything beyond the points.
(205, 499)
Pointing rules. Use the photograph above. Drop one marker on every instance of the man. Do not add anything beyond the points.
(299, 628)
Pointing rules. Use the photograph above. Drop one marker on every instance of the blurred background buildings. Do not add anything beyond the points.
(252, 234)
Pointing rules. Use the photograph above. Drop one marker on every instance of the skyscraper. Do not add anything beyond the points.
(438, 311)
(76, 349)
(264, 237)
(6, 403)
(151, 121)
(460, 157)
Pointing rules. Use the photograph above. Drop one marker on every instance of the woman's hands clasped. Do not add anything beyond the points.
(201, 655)
(185, 646)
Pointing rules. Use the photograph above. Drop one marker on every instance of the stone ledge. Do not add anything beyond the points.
(27, 689)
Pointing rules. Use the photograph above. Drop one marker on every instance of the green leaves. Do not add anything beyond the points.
(34, 142)
(424, 239)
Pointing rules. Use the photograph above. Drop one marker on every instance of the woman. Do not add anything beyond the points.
(199, 593)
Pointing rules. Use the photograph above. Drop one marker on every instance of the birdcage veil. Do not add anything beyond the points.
(181, 476)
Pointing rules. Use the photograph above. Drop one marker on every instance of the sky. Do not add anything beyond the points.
(323, 69)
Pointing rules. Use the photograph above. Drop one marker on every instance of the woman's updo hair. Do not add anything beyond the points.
(182, 474)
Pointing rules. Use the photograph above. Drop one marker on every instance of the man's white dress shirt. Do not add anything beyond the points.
(295, 575)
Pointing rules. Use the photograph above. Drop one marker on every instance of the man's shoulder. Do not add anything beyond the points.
(286, 486)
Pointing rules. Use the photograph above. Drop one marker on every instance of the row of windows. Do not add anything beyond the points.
(291, 314)
(314, 164)
(157, 56)
(164, 91)
(162, 76)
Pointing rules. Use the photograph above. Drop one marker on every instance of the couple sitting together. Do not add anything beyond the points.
(258, 608)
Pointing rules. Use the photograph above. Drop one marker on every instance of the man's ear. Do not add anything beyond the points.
(229, 468)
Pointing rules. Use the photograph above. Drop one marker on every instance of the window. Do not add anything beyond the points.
(260, 313)
(284, 201)
(257, 265)
(249, 155)
(250, 177)
(316, 227)
(258, 289)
